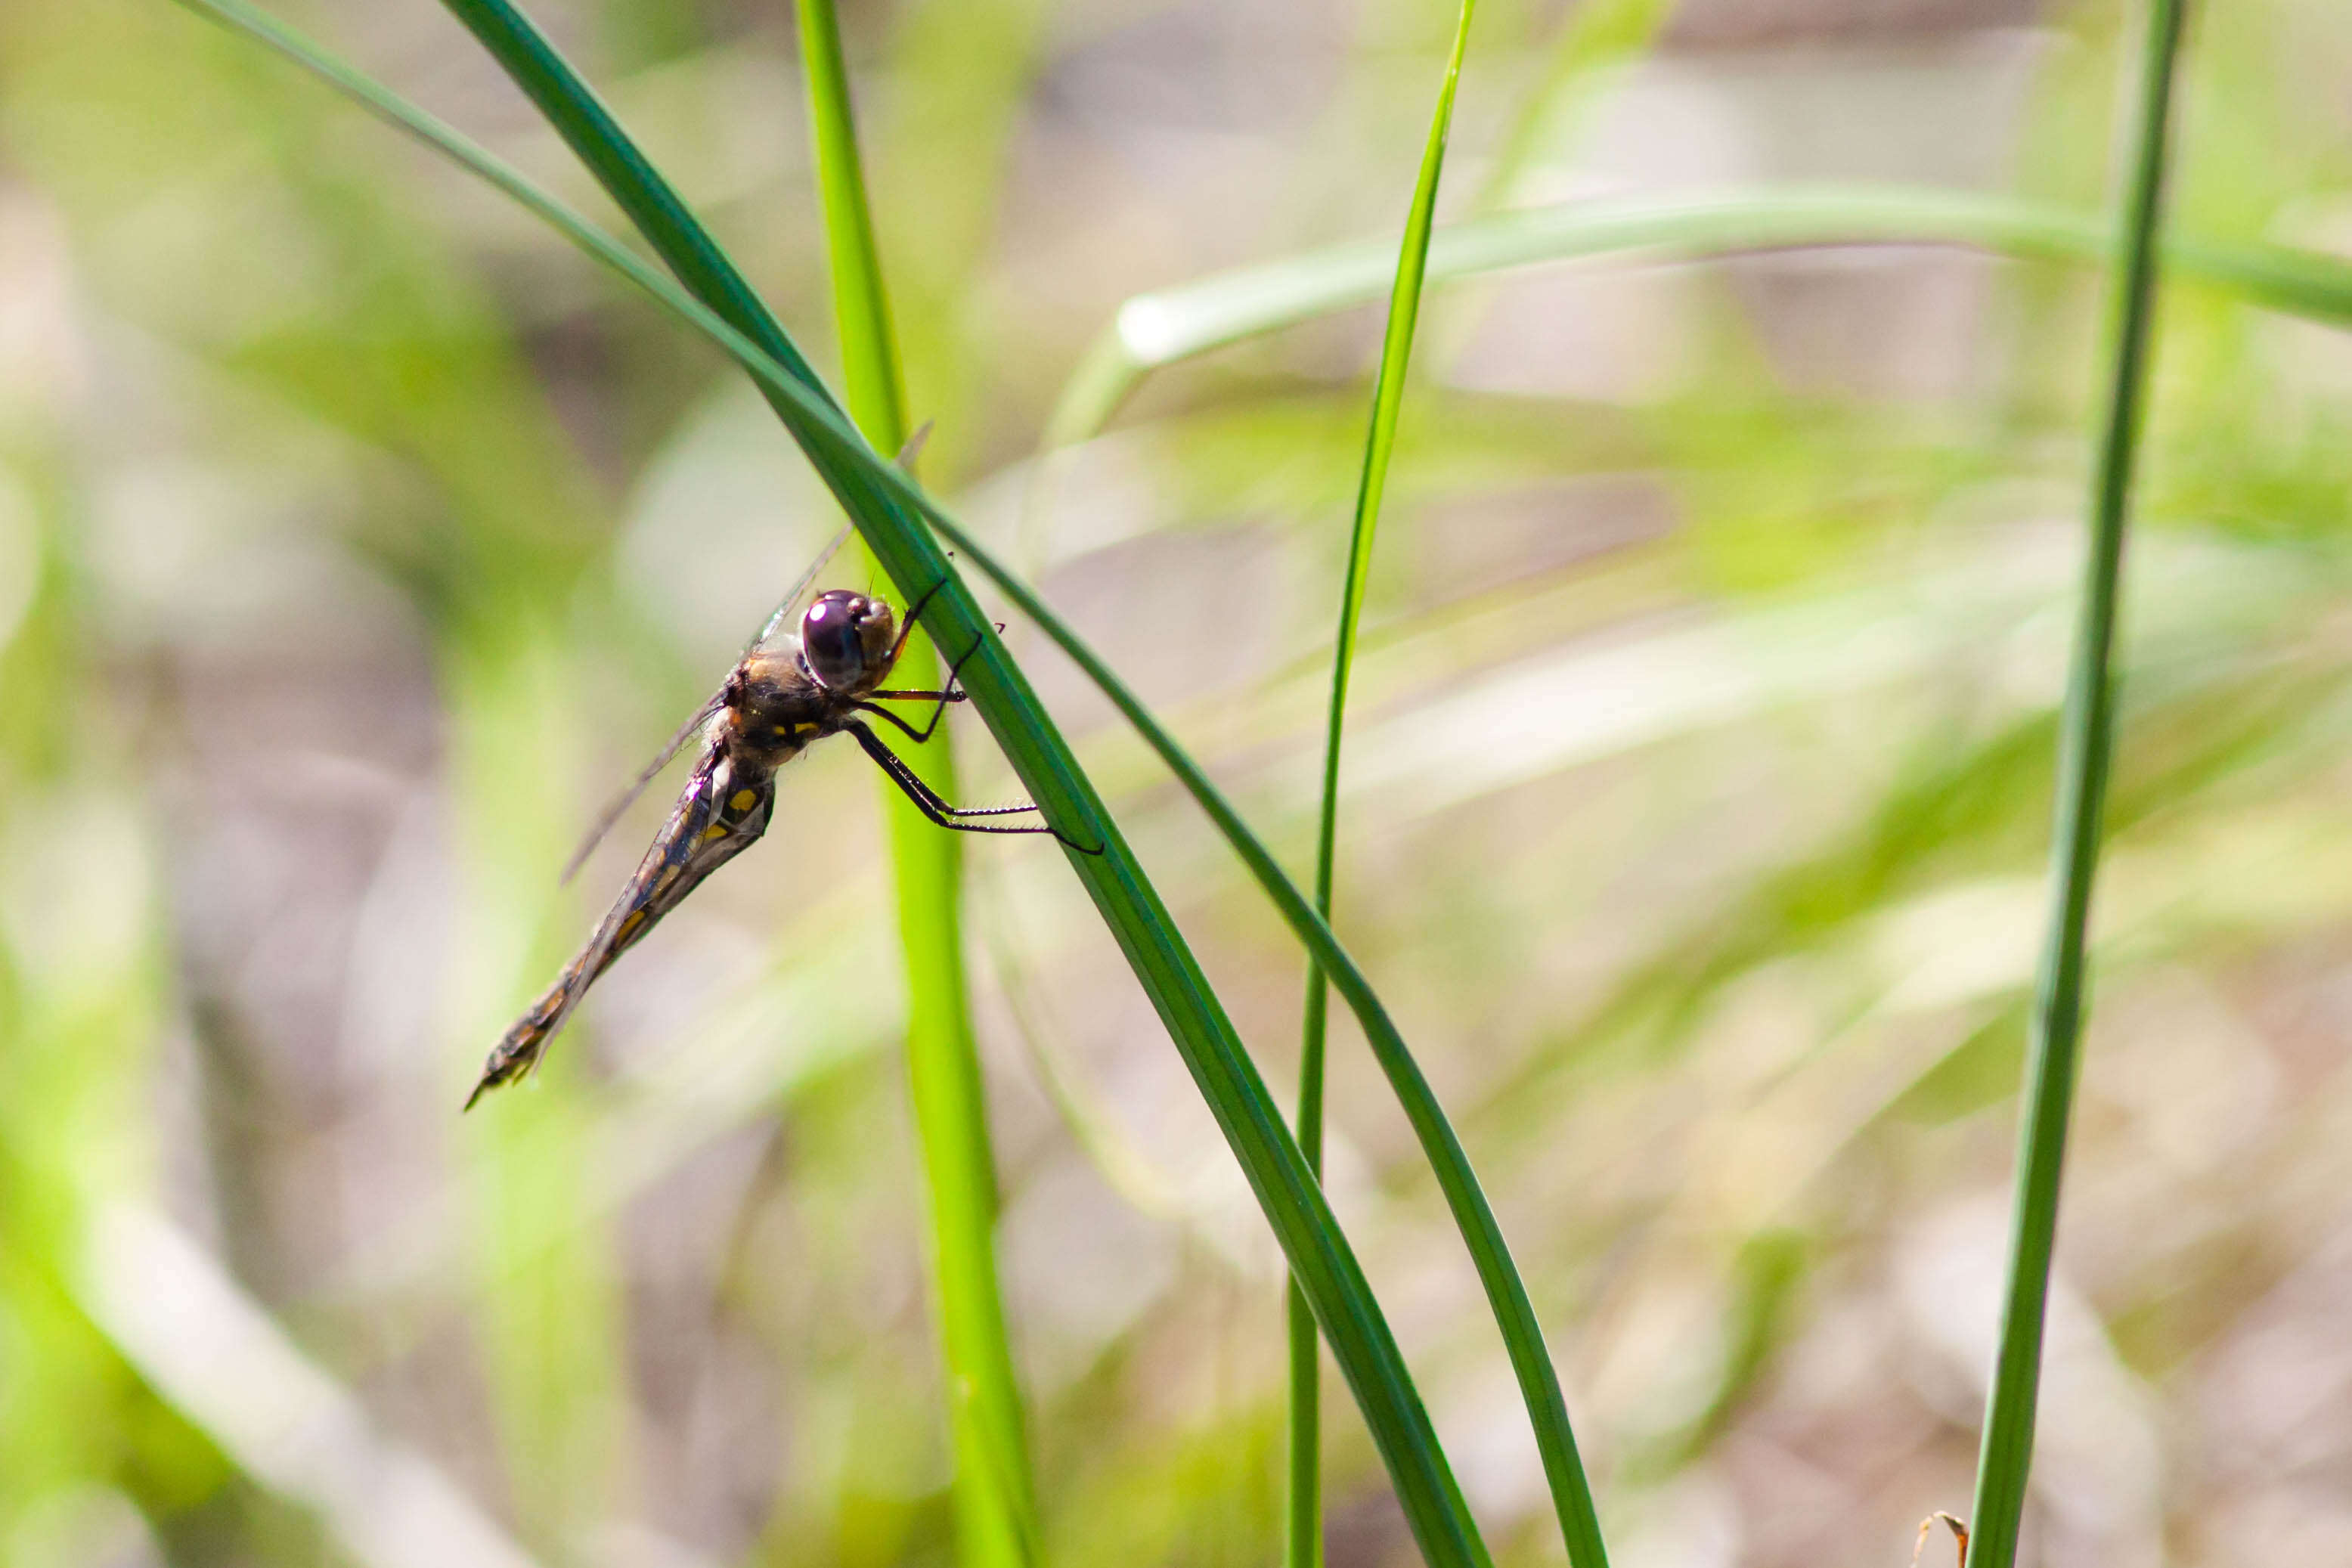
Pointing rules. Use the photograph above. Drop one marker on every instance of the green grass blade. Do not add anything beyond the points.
(2086, 743)
(996, 1524)
(887, 506)
(1303, 1533)
(1152, 332)
(870, 378)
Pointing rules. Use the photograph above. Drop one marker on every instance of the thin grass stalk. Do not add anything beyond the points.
(1303, 1512)
(886, 505)
(2086, 745)
(1531, 1362)
(870, 378)
(994, 1491)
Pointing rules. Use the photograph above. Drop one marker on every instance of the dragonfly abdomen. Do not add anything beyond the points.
(723, 810)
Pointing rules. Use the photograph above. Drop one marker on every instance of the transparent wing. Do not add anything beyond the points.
(620, 804)
(628, 797)
(776, 622)
(808, 578)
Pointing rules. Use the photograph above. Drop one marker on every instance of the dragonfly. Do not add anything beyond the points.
(781, 698)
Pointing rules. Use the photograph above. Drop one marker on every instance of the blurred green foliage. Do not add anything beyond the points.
(353, 538)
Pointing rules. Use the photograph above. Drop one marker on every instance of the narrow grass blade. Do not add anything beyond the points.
(1152, 332)
(1539, 1381)
(2086, 743)
(996, 1511)
(861, 304)
(887, 508)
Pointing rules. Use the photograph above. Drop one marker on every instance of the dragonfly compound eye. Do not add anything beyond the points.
(829, 640)
(845, 637)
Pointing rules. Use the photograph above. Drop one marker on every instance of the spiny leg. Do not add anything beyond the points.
(928, 802)
(922, 793)
(953, 693)
(906, 628)
(918, 736)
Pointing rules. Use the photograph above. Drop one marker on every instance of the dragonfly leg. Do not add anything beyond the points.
(906, 628)
(928, 802)
(918, 736)
(953, 693)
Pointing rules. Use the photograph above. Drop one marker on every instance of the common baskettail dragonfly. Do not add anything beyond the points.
(775, 703)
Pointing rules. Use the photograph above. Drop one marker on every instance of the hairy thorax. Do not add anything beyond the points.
(774, 709)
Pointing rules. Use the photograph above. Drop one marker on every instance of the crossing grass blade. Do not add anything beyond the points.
(1152, 332)
(889, 508)
(1538, 1380)
(2086, 745)
(995, 1507)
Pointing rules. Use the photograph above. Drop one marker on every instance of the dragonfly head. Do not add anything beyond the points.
(847, 638)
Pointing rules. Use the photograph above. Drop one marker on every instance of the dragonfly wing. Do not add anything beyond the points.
(717, 816)
(784, 608)
(628, 797)
(906, 455)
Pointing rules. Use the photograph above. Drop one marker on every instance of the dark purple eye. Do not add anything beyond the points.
(831, 637)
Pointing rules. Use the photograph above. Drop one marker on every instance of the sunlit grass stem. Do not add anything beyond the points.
(995, 1494)
(2086, 744)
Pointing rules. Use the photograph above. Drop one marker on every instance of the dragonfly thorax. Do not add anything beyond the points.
(772, 706)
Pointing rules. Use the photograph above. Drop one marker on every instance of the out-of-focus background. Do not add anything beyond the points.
(356, 538)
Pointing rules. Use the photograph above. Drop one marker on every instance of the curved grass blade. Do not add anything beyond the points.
(1152, 332)
(887, 506)
(2086, 744)
(1538, 1380)
(996, 1524)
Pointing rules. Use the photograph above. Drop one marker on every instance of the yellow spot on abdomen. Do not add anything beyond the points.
(742, 800)
(716, 830)
(636, 918)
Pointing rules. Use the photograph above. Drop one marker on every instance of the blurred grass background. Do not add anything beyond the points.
(355, 539)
